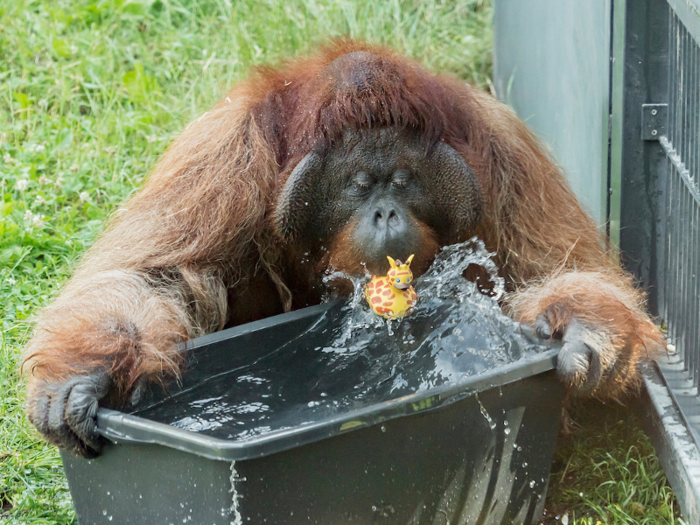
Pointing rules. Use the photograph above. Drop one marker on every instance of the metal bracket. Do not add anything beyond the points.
(654, 121)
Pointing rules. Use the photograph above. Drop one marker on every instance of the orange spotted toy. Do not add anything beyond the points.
(392, 296)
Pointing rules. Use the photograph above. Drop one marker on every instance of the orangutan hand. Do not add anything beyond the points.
(66, 412)
(586, 353)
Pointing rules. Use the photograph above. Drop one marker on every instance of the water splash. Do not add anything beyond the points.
(452, 318)
(484, 412)
(235, 505)
(352, 358)
(444, 277)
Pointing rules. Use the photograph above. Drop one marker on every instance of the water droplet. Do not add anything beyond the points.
(482, 408)
(532, 484)
(506, 431)
(383, 428)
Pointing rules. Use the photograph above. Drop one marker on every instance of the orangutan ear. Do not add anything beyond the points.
(410, 258)
(296, 202)
(392, 262)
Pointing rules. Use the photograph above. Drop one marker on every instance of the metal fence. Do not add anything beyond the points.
(660, 167)
(681, 144)
(658, 150)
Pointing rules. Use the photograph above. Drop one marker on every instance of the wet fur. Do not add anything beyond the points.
(195, 249)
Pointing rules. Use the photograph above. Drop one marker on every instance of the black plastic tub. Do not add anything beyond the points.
(476, 451)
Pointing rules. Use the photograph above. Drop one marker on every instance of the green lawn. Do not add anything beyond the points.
(92, 91)
(607, 472)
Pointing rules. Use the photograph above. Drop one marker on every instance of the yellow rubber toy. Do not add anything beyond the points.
(392, 296)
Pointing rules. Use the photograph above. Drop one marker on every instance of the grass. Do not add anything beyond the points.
(92, 91)
(606, 471)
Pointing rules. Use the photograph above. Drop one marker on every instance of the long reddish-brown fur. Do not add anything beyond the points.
(194, 249)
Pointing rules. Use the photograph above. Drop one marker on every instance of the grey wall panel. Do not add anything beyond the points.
(552, 64)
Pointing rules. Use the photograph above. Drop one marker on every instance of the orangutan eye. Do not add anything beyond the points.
(362, 180)
(400, 178)
(398, 280)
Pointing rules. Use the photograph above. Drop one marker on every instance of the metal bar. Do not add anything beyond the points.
(681, 138)
(683, 292)
(678, 230)
(617, 119)
(677, 273)
(683, 210)
(673, 87)
(668, 291)
(691, 319)
(696, 114)
(689, 289)
(675, 241)
(672, 328)
(696, 268)
(693, 268)
(692, 150)
(690, 120)
(668, 248)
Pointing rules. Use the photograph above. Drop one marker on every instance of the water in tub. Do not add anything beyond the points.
(352, 358)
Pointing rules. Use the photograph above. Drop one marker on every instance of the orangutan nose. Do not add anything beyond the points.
(388, 221)
(385, 228)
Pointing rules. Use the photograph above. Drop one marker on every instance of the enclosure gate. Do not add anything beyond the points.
(656, 84)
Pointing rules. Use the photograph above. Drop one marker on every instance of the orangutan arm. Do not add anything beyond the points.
(567, 284)
(599, 316)
(104, 333)
(160, 274)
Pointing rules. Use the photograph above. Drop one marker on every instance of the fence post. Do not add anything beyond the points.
(642, 167)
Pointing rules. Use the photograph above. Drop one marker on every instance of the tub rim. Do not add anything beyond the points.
(123, 428)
